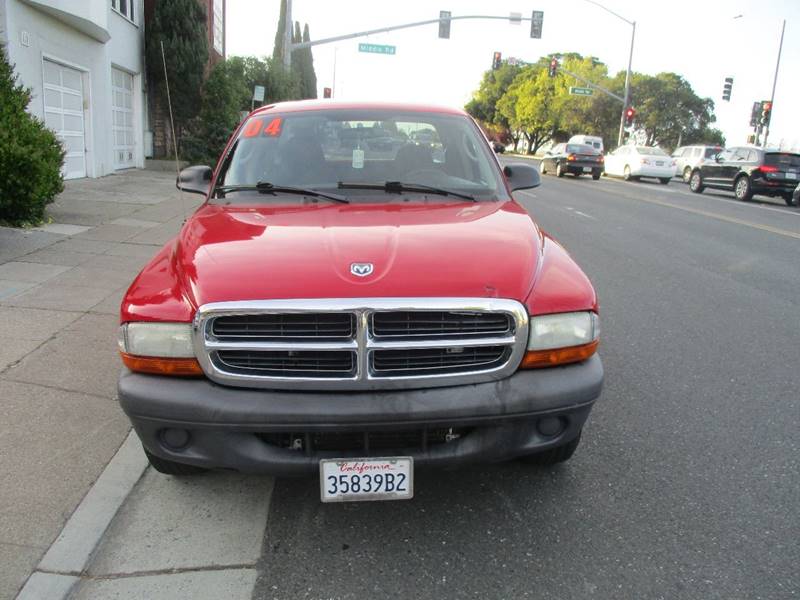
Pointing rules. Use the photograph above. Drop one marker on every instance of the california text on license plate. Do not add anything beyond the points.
(357, 479)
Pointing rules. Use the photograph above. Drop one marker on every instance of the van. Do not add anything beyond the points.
(590, 140)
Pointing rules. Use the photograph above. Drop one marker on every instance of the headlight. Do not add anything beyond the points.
(167, 340)
(158, 348)
(561, 339)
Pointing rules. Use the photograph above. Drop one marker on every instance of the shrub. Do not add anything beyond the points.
(30, 155)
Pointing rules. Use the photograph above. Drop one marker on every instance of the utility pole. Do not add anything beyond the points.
(287, 37)
(774, 84)
(627, 85)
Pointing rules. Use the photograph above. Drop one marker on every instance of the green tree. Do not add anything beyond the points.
(309, 75)
(248, 71)
(30, 155)
(219, 115)
(528, 105)
(181, 26)
(277, 51)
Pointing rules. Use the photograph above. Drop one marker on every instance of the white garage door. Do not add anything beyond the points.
(122, 108)
(63, 113)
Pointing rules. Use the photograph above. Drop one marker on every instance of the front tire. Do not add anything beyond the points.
(553, 456)
(596, 175)
(742, 188)
(789, 199)
(696, 183)
(664, 180)
(559, 170)
(168, 467)
(687, 174)
(626, 173)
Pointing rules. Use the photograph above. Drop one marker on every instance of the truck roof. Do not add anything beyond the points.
(319, 105)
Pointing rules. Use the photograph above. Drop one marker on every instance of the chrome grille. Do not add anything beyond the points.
(411, 323)
(292, 363)
(285, 326)
(352, 344)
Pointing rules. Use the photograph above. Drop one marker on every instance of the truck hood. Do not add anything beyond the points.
(244, 252)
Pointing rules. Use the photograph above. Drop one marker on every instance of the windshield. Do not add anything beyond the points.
(318, 149)
(581, 149)
(650, 151)
(712, 152)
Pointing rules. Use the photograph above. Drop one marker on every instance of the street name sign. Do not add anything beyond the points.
(377, 48)
(581, 91)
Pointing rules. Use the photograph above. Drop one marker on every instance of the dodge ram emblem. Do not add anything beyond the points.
(361, 269)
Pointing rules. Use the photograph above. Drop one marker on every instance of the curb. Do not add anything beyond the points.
(70, 554)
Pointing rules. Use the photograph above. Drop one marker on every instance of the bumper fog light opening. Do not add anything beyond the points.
(174, 439)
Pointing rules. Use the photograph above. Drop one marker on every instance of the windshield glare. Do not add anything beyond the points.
(319, 149)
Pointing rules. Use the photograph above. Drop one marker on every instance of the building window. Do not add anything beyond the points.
(125, 8)
(219, 26)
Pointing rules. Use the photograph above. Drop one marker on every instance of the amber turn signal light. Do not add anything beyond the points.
(178, 367)
(537, 359)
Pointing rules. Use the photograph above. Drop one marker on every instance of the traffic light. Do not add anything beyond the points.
(630, 115)
(444, 24)
(766, 112)
(755, 114)
(726, 89)
(537, 18)
(327, 92)
(496, 61)
(553, 71)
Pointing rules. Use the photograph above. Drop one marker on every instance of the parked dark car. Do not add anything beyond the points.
(497, 147)
(747, 171)
(576, 159)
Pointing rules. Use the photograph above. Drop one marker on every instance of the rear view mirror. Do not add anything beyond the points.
(195, 179)
(521, 177)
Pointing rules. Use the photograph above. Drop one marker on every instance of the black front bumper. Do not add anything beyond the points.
(231, 428)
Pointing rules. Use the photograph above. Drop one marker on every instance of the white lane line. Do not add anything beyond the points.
(732, 202)
(583, 214)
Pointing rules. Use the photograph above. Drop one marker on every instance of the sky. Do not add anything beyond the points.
(698, 39)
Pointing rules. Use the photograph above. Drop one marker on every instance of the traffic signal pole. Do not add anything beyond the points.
(774, 84)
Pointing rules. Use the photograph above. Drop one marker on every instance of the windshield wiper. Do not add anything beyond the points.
(397, 187)
(265, 187)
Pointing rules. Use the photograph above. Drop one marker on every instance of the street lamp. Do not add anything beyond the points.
(628, 73)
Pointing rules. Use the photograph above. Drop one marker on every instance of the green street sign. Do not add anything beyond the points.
(581, 91)
(377, 48)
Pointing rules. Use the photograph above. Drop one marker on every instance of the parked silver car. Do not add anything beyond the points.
(689, 157)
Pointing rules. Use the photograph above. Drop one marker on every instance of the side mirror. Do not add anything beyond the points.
(194, 179)
(521, 177)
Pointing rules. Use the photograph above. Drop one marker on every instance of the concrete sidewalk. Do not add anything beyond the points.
(60, 289)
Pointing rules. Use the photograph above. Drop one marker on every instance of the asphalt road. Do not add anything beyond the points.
(687, 482)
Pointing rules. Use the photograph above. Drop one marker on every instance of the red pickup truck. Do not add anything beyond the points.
(358, 296)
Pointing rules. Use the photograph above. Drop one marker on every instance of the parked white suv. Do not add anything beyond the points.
(689, 157)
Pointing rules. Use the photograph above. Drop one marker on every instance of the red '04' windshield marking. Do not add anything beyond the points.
(252, 128)
(274, 127)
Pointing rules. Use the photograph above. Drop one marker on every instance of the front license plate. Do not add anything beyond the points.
(359, 479)
(587, 169)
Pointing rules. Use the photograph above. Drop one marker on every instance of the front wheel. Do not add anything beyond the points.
(696, 183)
(664, 180)
(743, 189)
(596, 175)
(790, 201)
(626, 173)
(553, 456)
(559, 170)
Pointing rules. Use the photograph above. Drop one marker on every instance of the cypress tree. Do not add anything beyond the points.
(277, 51)
(309, 75)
